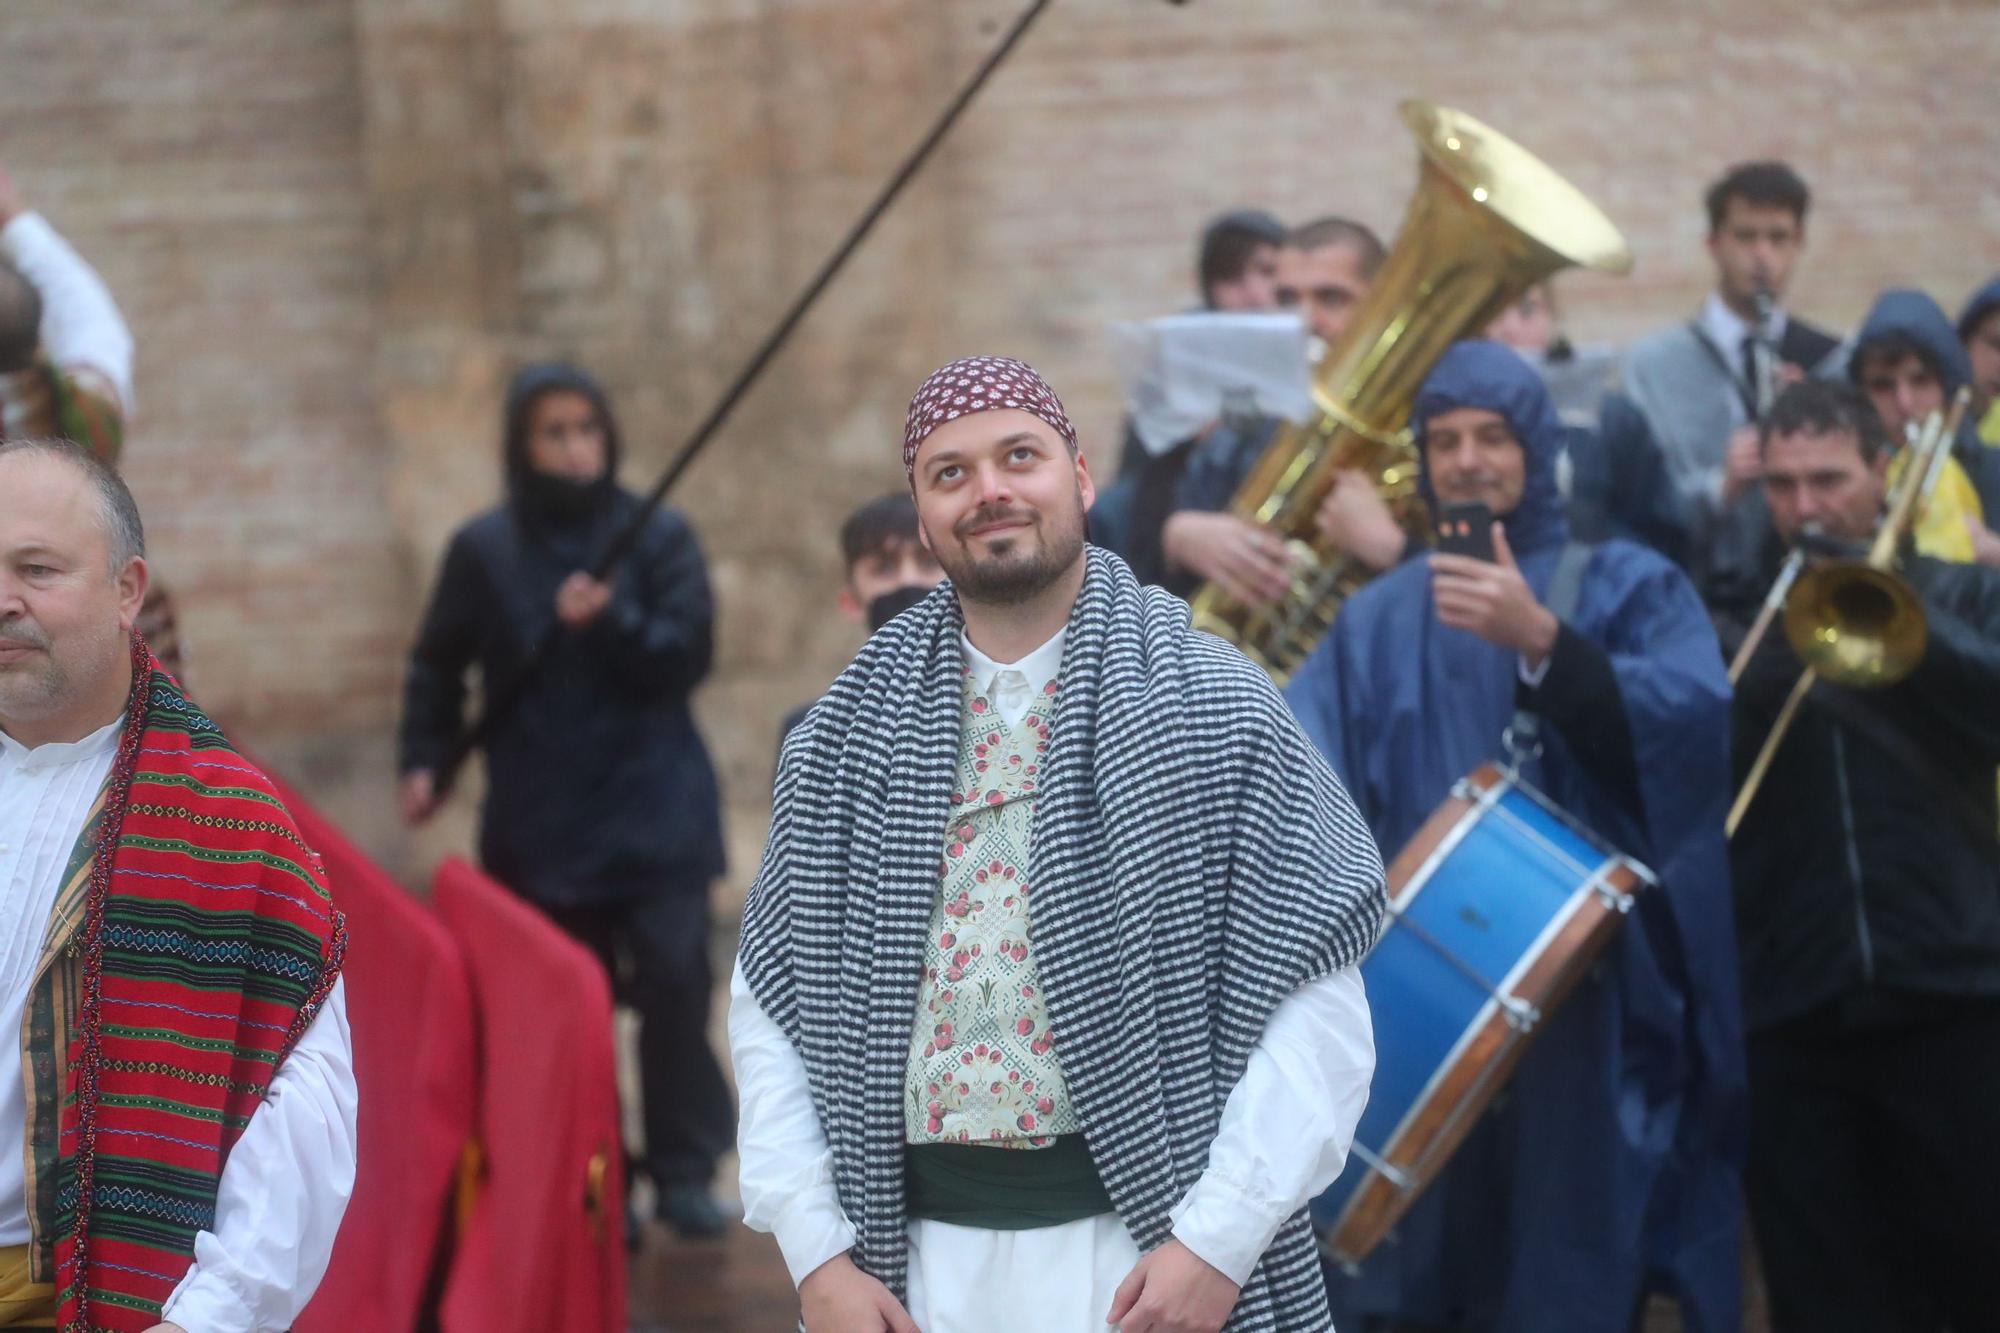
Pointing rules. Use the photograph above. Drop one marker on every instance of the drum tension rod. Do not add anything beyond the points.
(1521, 1016)
(1395, 1175)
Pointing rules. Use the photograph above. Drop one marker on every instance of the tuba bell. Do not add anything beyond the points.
(1487, 222)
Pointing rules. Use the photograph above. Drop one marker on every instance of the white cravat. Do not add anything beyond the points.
(287, 1180)
(1013, 686)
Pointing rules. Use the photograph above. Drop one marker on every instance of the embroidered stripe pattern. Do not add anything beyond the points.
(1195, 861)
(155, 1109)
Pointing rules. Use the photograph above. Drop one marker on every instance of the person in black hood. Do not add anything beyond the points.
(1979, 330)
(601, 803)
(1867, 879)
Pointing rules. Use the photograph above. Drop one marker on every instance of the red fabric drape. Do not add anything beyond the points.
(544, 1249)
(409, 1007)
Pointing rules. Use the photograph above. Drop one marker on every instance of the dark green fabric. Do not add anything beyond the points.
(1003, 1189)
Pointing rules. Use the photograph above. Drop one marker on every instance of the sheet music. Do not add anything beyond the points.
(1182, 373)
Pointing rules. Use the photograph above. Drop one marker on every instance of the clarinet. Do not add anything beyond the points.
(1763, 349)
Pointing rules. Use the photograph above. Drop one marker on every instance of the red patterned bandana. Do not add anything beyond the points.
(980, 384)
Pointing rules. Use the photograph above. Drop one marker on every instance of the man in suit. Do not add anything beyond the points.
(1702, 384)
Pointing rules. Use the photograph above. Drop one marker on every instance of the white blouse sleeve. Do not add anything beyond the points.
(1286, 1127)
(81, 327)
(785, 1167)
(282, 1193)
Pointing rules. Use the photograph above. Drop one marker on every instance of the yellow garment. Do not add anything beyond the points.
(24, 1303)
(1989, 435)
(1941, 531)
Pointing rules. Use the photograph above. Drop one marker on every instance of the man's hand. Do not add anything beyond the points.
(837, 1297)
(1743, 467)
(166, 1328)
(580, 600)
(10, 197)
(1493, 601)
(1355, 518)
(417, 795)
(1249, 563)
(1985, 542)
(1173, 1290)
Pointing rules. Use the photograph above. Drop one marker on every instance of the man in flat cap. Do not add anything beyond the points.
(1047, 1012)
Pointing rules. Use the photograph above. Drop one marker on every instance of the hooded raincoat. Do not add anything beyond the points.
(599, 788)
(1969, 487)
(1610, 1164)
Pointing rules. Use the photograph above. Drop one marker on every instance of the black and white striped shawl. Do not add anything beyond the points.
(1194, 862)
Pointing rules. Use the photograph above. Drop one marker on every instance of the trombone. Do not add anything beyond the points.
(1852, 622)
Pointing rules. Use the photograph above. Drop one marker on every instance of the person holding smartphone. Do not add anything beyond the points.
(1613, 1160)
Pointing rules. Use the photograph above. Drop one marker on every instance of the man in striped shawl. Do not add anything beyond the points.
(1046, 1014)
(177, 1093)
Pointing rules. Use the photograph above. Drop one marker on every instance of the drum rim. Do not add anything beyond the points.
(1488, 1048)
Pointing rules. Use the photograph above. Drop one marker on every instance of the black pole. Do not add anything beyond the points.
(503, 699)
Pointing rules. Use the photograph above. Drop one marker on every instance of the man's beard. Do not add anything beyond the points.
(1024, 568)
(32, 688)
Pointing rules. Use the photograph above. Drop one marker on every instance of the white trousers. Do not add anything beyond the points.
(1048, 1279)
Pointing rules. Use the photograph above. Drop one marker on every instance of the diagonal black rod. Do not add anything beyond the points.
(503, 700)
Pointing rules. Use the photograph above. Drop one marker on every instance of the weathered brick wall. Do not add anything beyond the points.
(207, 158)
(338, 225)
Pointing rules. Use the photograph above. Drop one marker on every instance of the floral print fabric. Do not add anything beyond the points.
(982, 1065)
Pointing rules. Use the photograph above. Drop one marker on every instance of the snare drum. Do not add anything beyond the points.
(1496, 908)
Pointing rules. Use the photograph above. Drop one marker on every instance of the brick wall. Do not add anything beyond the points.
(207, 159)
(337, 225)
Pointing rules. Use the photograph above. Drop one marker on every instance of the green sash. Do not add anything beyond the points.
(1004, 1189)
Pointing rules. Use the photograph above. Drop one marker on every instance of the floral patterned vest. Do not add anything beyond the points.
(982, 1065)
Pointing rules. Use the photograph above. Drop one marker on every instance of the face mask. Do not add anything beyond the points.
(563, 500)
(893, 603)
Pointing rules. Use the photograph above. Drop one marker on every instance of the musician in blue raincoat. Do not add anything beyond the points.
(1608, 1169)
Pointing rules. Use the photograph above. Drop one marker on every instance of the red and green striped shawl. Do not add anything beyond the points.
(209, 943)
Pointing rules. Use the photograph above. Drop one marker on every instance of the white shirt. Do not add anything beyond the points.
(81, 327)
(1284, 1134)
(287, 1180)
(45, 796)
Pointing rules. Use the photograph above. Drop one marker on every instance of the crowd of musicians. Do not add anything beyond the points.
(1801, 1023)
(1857, 998)
(1052, 870)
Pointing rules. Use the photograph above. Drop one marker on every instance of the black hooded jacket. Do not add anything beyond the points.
(599, 788)
(1857, 874)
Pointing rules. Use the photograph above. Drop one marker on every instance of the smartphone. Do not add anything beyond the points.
(1466, 529)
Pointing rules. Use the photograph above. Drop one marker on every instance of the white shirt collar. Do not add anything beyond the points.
(1727, 329)
(93, 746)
(1040, 666)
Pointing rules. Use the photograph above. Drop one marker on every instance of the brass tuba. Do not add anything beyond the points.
(1488, 221)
